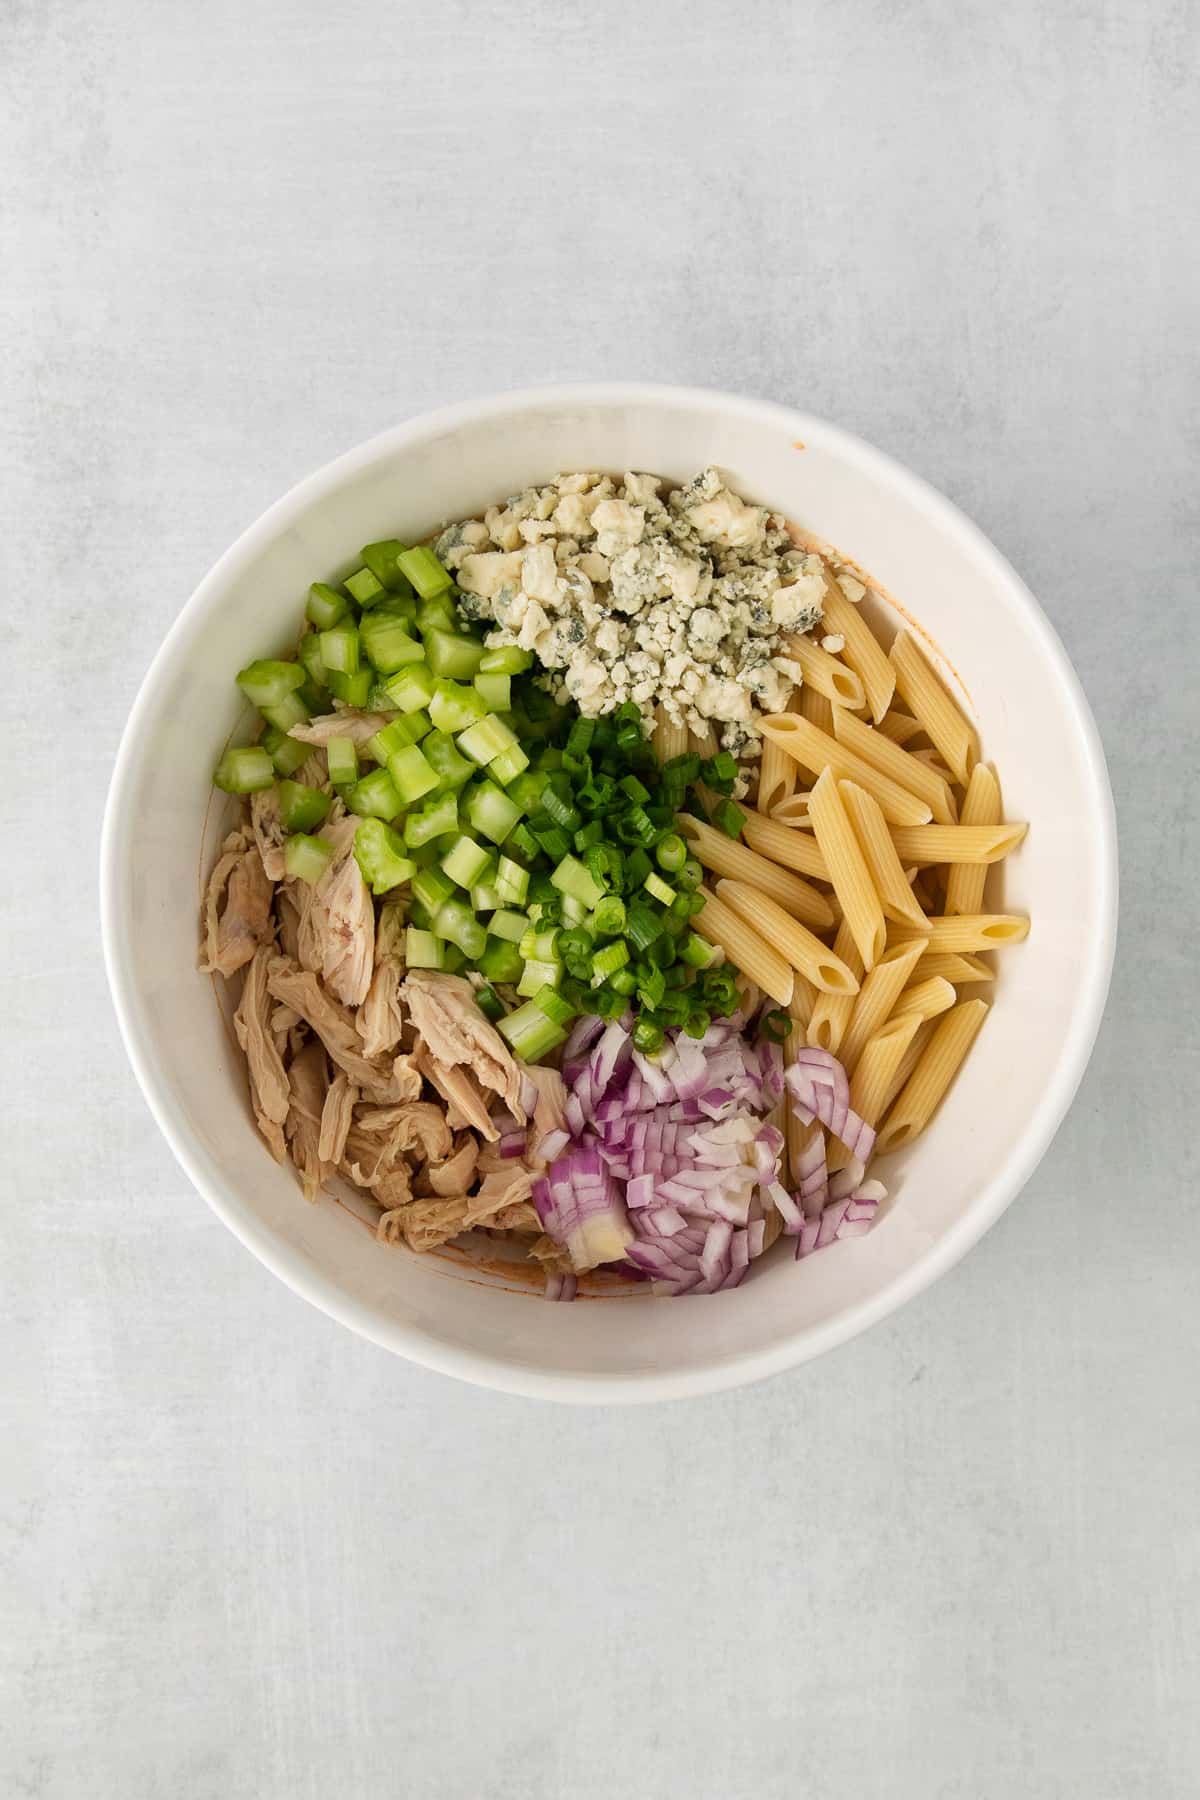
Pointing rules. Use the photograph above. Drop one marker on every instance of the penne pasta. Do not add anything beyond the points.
(669, 739)
(800, 1006)
(875, 1077)
(704, 743)
(817, 750)
(925, 998)
(825, 673)
(783, 844)
(745, 947)
(878, 999)
(965, 843)
(726, 856)
(970, 931)
(815, 708)
(899, 766)
(958, 969)
(927, 699)
(870, 828)
(936, 1068)
(981, 808)
(777, 776)
(900, 727)
(848, 869)
(861, 650)
(815, 960)
(830, 1013)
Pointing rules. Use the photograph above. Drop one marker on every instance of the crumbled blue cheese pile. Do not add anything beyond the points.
(622, 596)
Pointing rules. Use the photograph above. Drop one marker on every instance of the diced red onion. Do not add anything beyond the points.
(820, 1090)
(561, 1287)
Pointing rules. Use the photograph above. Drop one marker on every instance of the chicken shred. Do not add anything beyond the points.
(465, 1105)
(269, 1091)
(237, 907)
(300, 989)
(306, 1098)
(336, 1116)
(454, 1173)
(337, 923)
(381, 1016)
(268, 831)
(351, 723)
(455, 1031)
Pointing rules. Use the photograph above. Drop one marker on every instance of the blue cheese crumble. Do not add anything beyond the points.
(683, 604)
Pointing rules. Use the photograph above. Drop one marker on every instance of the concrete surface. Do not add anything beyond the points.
(245, 1556)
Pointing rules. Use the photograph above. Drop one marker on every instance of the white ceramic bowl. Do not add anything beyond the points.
(1020, 1077)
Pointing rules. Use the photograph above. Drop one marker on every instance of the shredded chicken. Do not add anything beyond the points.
(237, 907)
(500, 1189)
(381, 1016)
(269, 1092)
(445, 1014)
(553, 1258)
(522, 1217)
(337, 923)
(336, 1116)
(549, 1114)
(417, 1126)
(268, 831)
(351, 723)
(300, 989)
(306, 1098)
(465, 1105)
(454, 1173)
(289, 905)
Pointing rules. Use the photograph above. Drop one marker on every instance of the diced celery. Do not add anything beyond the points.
(423, 569)
(438, 615)
(421, 949)
(485, 897)
(509, 764)
(397, 735)
(491, 811)
(501, 960)
(512, 881)
(452, 655)
(540, 944)
(526, 789)
(530, 1033)
(496, 690)
(387, 643)
(301, 808)
(441, 753)
(375, 797)
(365, 587)
(454, 707)
(486, 739)
(506, 660)
(434, 820)
(412, 688)
(572, 878)
(341, 753)
(309, 652)
(455, 920)
(287, 753)
(351, 690)
(244, 771)
(325, 606)
(383, 560)
(411, 774)
(340, 649)
(454, 960)
(509, 925)
(432, 888)
(537, 974)
(306, 858)
(379, 853)
(287, 712)
(266, 683)
(465, 861)
(574, 912)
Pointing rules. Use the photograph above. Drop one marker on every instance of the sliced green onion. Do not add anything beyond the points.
(647, 1037)
(421, 949)
(379, 853)
(570, 877)
(606, 962)
(637, 790)
(325, 606)
(383, 560)
(488, 738)
(412, 688)
(465, 861)
(682, 770)
(574, 912)
(287, 753)
(530, 1033)
(375, 796)
(306, 858)
(509, 764)
(244, 771)
(658, 889)
(690, 875)
(644, 927)
(728, 818)
(506, 660)
(456, 921)
(423, 569)
(454, 707)
(624, 981)
(553, 841)
(560, 811)
(365, 587)
(541, 946)
(411, 774)
(340, 649)
(501, 960)
(552, 1004)
(489, 1003)
(609, 916)
(387, 643)
(522, 840)
(670, 852)
(496, 690)
(266, 683)
(300, 807)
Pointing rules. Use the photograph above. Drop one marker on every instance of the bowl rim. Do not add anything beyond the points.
(732, 1370)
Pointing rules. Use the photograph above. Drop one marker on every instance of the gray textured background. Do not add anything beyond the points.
(246, 1556)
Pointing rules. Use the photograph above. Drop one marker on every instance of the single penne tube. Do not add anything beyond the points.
(815, 960)
(704, 743)
(744, 947)
(962, 843)
(970, 931)
(726, 856)
(777, 777)
(874, 1077)
(870, 828)
(925, 998)
(848, 869)
(670, 739)
(879, 997)
(815, 707)
(826, 673)
(939, 1062)
(899, 766)
(861, 648)
(816, 750)
(793, 813)
(927, 699)
(957, 969)
(981, 808)
(830, 1013)
(783, 844)
(899, 727)
(804, 998)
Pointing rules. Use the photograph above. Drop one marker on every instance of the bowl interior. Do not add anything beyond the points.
(1012, 676)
